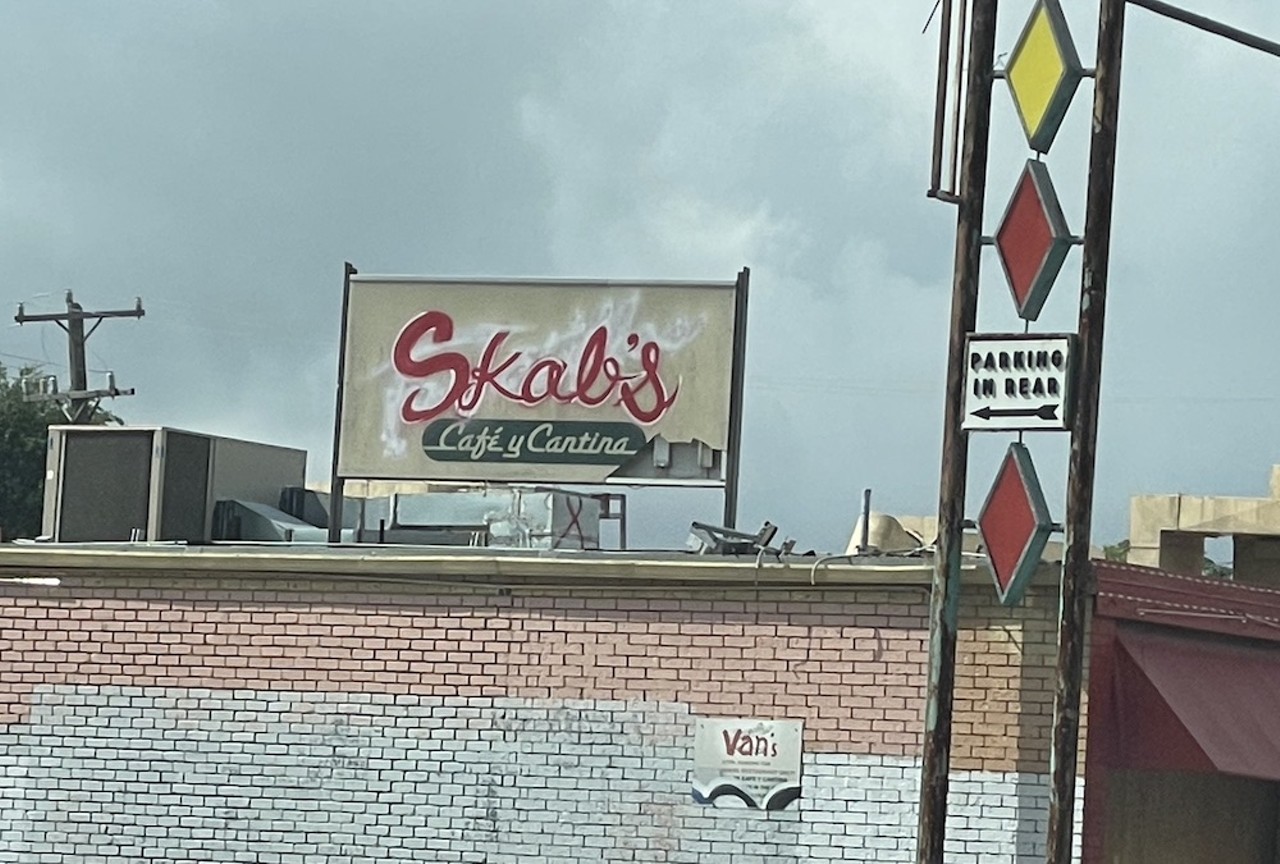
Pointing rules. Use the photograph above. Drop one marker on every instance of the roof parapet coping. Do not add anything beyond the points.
(483, 567)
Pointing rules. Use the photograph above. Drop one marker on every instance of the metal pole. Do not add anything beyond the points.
(1209, 25)
(1076, 568)
(737, 385)
(944, 601)
(940, 99)
(864, 537)
(955, 107)
(336, 481)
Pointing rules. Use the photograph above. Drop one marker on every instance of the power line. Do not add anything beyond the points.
(53, 363)
(24, 359)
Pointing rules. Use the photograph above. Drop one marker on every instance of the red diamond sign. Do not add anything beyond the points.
(1033, 240)
(1015, 525)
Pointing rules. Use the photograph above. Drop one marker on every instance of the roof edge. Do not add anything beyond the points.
(481, 567)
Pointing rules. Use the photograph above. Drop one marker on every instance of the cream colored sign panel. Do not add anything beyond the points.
(530, 381)
(756, 762)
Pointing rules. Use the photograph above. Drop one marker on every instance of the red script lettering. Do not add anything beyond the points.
(596, 378)
(742, 744)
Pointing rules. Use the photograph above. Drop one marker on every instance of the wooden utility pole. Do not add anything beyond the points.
(945, 597)
(80, 403)
(1076, 569)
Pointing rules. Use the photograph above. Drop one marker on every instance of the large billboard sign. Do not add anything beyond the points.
(539, 381)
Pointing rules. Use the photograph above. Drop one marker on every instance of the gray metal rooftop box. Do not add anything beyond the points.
(121, 483)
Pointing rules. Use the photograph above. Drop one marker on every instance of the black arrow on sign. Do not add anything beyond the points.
(1044, 412)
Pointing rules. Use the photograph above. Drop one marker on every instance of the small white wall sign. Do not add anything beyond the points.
(751, 762)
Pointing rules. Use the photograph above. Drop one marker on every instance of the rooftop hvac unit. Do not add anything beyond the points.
(129, 483)
(259, 523)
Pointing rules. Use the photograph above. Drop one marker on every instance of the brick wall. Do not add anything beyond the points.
(343, 721)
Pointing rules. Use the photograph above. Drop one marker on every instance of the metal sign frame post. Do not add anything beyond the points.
(337, 483)
(733, 458)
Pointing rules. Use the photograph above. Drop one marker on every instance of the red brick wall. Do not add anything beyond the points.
(852, 663)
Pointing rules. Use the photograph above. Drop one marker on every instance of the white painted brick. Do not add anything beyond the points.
(112, 774)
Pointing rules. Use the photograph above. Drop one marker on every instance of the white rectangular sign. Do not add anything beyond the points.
(756, 762)
(1018, 382)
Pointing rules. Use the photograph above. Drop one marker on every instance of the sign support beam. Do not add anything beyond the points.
(733, 459)
(945, 596)
(1076, 569)
(1217, 28)
(337, 484)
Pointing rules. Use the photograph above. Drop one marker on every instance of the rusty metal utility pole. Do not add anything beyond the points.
(1076, 568)
(945, 598)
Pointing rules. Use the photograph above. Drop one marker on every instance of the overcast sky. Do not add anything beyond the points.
(222, 158)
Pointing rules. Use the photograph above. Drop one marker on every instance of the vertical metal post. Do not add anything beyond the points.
(336, 481)
(864, 536)
(944, 601)
(940, 99)
(955, 105)
(1084, 433)
(956, 94)
(733, 459)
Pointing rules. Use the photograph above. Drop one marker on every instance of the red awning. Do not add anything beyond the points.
(1194, 702)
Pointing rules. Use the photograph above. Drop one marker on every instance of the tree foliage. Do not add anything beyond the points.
(1117, 551)
(22, 456)
(1215, 570)
(23, 433)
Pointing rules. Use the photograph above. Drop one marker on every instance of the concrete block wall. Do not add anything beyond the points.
(183, 719)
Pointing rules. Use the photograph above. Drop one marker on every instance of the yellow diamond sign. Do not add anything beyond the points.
(1043, 73)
